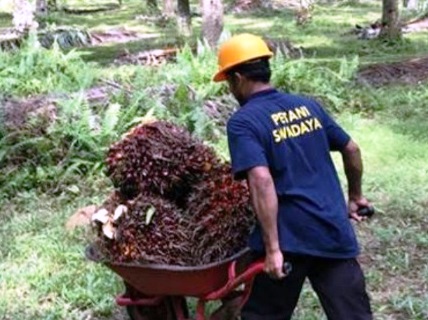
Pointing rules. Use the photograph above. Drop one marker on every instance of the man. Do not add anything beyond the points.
(281, 144)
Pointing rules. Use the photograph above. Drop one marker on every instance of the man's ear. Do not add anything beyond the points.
(235, 79)
(239, 77)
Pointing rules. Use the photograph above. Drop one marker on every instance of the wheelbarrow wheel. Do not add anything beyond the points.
(230, 308)
(138, 313)
(164, 311)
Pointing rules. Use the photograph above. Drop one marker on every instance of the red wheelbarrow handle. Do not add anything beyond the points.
(245, 277)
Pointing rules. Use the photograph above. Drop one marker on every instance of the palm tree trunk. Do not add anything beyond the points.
(212, 21)
(184, 19)
(168, 8)
(391, 29)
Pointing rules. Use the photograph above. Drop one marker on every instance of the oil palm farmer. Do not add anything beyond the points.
(280, 143)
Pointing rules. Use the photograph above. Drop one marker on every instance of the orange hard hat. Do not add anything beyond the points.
(239, 49)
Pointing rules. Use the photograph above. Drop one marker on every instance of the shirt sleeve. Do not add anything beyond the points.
(337, 137)
(245, 148)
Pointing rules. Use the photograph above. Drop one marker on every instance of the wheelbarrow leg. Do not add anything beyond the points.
(136, 312)
(200, 310)
(179, 307)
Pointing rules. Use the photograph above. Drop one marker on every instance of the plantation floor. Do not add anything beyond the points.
(43, 266)
(418, 25)
(414, 71)
(43, 272)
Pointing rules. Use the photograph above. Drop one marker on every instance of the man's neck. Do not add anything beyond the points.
(257, 87)
(252, 88)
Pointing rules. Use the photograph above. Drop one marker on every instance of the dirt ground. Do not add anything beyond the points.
(417, 25)
(414, 71)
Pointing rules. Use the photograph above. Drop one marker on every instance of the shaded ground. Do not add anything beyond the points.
(147, 57)
(159, 56)
(17, 113)
(118, 35)
(412, 71)
(417, 25)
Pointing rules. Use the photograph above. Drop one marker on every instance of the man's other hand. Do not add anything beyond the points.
(354, 205)
(274, 263)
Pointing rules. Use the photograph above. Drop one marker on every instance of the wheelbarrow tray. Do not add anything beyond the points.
(172, 280)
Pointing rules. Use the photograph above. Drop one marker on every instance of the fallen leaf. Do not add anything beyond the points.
(101, 216)
(109, 230)
(74, 189)
(149, 214)
(121, 209)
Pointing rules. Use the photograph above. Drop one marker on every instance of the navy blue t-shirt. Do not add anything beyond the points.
(293, 136)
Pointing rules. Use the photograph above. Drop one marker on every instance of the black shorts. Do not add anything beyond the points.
(339, 284)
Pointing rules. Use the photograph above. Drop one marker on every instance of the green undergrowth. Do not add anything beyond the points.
(76, 142)
(35, 70)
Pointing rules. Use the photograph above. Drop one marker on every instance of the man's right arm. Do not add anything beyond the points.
(265, 204)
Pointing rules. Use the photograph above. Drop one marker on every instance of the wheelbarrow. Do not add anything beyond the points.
(158, 292)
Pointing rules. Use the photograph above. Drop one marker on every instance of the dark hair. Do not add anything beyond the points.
(257, 70)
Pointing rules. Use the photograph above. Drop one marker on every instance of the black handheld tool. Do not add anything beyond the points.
(366, 211)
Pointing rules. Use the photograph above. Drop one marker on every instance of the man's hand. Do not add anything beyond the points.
(274, 263)
(354, 205)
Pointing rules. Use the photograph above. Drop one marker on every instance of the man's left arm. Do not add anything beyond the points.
(340, 141)
(353, 165)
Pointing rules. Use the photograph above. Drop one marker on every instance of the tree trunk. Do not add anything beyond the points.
(24, 16)
(184, 20)
(391, 29)
(212, 21)
(168, 8)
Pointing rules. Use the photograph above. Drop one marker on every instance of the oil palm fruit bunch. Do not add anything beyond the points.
(219, 208)
(158, 158)
(144, 229)
(175, 202)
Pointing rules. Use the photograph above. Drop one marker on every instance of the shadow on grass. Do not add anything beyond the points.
(266, 14)
(408, 112)
(122, 16)
(368, 51)
(107, 53)
(413, 127)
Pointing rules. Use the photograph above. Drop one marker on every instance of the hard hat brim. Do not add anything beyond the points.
(220, 76)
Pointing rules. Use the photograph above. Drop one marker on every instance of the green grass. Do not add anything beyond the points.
(42, 265)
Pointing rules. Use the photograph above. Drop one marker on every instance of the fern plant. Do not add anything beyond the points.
(71, 147)
(34, 70)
